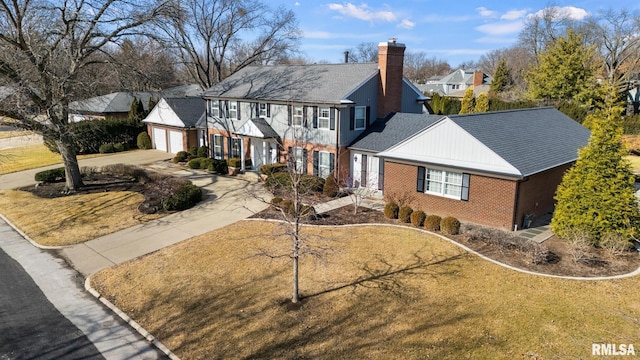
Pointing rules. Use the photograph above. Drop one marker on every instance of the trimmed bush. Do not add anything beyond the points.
(193, 151)
(186, 197)
(181, 156)
(234, 162)
(195, 163)
(202, 152)
(432, 223)
(218, 166)
(118, 147)
(106, 149)
(286, 206)
(450, 225)
(404, 214)
(89, 135)
(391, 210)
(283, 181)
(272, 168)
(276, 200)
(417, 218)
(50, 176)
(330, 188)
(143, 141)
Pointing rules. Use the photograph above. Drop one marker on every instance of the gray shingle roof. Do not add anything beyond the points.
(384, 134)
(265, 128)
(189, 109)
(532, 140)
(319, 83)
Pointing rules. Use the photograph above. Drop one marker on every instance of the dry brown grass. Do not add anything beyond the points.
(30, 157)
(384, 293)
(635, 163)
(72, 219)
(13, 133)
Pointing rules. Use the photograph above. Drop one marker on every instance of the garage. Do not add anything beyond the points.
(160, 139)
(175, 141)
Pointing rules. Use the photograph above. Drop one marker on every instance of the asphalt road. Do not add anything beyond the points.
(30, 326)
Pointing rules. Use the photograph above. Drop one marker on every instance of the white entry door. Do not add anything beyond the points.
(175, 141)
(160, 139)
(364, 170)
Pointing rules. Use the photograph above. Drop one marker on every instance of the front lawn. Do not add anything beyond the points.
(381, 293)
(30, 157)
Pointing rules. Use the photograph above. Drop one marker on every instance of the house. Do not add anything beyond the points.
(456, 83)
(493, 168)
(307, 114)
(118, 104)
(633, 101)
(173, 124)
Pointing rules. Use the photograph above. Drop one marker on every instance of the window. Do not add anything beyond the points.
(360, 117)
(324, 164)
(324, 115)
(299, 157)
(215, 108)
(443, 183)
(217, 147)
(264, 110)
(233, 110)
(235, 148)
(298, 112)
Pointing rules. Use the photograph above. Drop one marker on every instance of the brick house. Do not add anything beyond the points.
(173, 124)
(306, 114)
(492, 168)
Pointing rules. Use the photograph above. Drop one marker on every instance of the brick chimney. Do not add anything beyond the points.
(478, 78)
(390, 61)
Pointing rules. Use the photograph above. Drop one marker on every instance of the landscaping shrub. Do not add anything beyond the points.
(106, 149)
(193, 151)
(89, 135)
(432, 223)
(283, 181)
(52, 175)
(135, 172)
(308, 211)
(118, 147)
(417, 218)
(450, 225)
(218, 166)
(144, 141)
(203, 152)
(275, 202)
(536, 253)
(330, 188)
(186, 197)
(391, 210)
(614, 244)
(206, 163)
(181, 156)
(195, 163)
(234, 162)
(286, 206)
(404, 214)
(272, 168)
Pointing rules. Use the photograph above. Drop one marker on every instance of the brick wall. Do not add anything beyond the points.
(310, 149)
(535, 195)
(491, 200)
(390, 62)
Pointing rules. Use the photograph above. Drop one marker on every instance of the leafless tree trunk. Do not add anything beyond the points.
(44, 49)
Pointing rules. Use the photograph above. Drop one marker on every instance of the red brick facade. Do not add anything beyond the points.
(390, 62)
(495, 202)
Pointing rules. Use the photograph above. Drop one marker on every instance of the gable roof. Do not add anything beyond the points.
(178, 112)
(386, 133)
(316, 83)
(516, 143)
(257, 127)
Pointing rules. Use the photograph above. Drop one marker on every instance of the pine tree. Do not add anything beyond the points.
(502, 80)
(482, 103)
(468, 102)
(596, 197)
(151, 104)
(565, 71)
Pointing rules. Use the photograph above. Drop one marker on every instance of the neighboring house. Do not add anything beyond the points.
(456, 83)
(633, 101)
(493, 168)
(173, 124)
(118, 104)
(261, 112)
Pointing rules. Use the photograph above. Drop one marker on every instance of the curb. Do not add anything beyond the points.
(142, 331)
(636, 272)
(43, 247)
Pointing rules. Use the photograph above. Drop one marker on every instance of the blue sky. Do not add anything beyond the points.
(455, 31)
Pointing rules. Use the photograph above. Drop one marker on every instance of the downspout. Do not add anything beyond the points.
(514, 224)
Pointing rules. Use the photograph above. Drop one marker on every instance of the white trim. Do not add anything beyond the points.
(327, 118)
(364, 118)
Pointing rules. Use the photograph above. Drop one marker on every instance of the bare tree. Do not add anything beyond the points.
(418, 67)
(216, 38)
(46, 45)
(519, 61)
(364, 52)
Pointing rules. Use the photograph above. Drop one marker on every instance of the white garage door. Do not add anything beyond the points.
(160, 139)
(175, 141)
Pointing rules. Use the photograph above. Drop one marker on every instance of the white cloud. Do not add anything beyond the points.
(496, 40)
(513, 14)
(406, 24)
(484, 12)
(363, 12)
(570, 12)
(323, 35)
(297, 3)
(500, 29)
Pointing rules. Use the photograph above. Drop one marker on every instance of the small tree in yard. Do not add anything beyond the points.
(360, 193)
(468, 102)
(596, 197)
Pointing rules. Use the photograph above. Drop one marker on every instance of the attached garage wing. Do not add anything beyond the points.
(160, 139)
(175, 141)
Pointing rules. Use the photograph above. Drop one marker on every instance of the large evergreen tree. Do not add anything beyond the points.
(482, 103)
(502, 79)
(596, 196)
(565, 71)
(468, 102)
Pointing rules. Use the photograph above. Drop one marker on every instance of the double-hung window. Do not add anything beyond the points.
(264, 110)
(324, 117)
(233, 110)
(443, 183)
(324, 164)
(298, 115)
(235, 148)
(214, 108)
(360, 117)
(217, 147)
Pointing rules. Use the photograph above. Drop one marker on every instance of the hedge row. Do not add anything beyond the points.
(405, 214)
(89, 135)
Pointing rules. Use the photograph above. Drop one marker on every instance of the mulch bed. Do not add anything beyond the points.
(560, 262)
